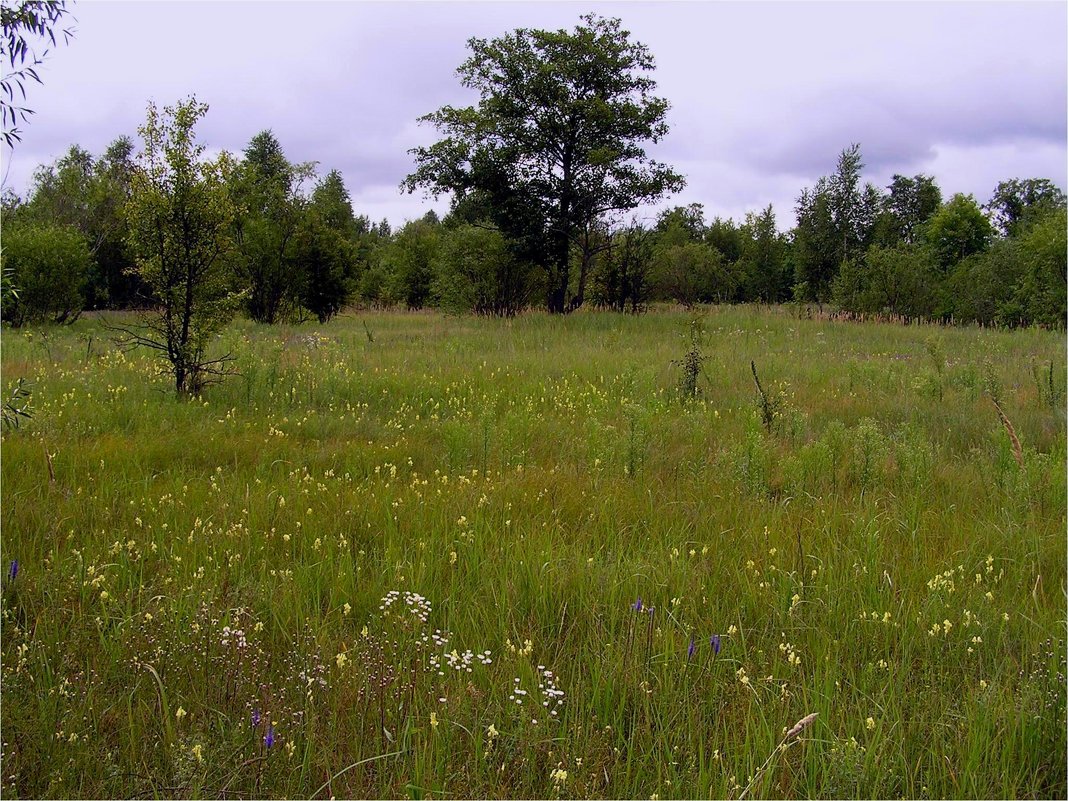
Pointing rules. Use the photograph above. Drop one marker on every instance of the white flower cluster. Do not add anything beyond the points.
(551, 696)
(418, 606)
(236, 634)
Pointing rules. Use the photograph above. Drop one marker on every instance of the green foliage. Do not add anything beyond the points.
(1018, 204)
(902, 280)
(693, 273)
(48, 266)
(815, 249)
(477, 271)
(270, 210)
(1041, 295)
(410, 259)
(555, 142)
(180, 215)
(908, 206)
(764, 274)
(958, 230)
(690, 364)
(325, 250)
(17, 406)
(1018, 281)
(89, 194)
(623, 277)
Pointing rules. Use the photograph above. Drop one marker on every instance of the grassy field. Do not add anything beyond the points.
(402, 555)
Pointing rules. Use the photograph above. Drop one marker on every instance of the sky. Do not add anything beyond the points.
(764, 95)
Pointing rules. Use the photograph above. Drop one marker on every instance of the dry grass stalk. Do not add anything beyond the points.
(786, 741)
(801, 725)
(1017, 451)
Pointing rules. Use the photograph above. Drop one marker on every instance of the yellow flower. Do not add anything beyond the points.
(869, 724)
(180, 714)
(198, 752)
(492, 732)
(347, 608)
(434, 720)
(341, 659)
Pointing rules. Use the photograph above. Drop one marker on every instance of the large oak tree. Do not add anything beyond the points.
(556, 141)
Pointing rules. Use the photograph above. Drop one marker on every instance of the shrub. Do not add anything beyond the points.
(49, 266)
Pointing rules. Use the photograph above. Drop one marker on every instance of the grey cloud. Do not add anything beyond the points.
(763, 95)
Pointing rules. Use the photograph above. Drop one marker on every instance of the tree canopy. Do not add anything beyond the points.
(556, 140)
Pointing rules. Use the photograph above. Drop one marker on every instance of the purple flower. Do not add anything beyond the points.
(690, 651)
(714, 642)
(13, 570)
(637, 605)
(268, 738)
(255, 718)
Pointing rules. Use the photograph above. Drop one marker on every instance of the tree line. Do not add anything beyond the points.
(546, 175)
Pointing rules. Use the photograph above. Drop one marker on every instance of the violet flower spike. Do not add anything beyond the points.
(637, 605)
(13, 570)
(714, 642)
(255, 718)
(690, 651)
(268, 738)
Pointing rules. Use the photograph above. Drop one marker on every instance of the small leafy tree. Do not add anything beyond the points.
(180, 215)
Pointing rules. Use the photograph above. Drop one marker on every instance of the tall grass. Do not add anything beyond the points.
(409, 565)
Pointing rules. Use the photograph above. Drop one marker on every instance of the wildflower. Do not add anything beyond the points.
(869, 724)
(341, 659)
(291, 748)
(690, 651)
(255, 718)
(982, 684)
(180, 714)
(347, 608)
(13, 571)
(492, 732)
(268, 738)
(559, 776)
(198, 752)
(714, 642)
(732, 630)
(637, 605)
(433, 720)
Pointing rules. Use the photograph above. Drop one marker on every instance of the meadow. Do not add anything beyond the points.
(419, 556)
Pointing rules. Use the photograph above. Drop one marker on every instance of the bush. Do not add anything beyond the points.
(49, 267)
(902, 280)
(477, 272)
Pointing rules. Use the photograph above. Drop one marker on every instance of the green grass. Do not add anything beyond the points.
(530, 479)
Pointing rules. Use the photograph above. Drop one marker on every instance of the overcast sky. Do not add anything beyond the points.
(763, 95)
